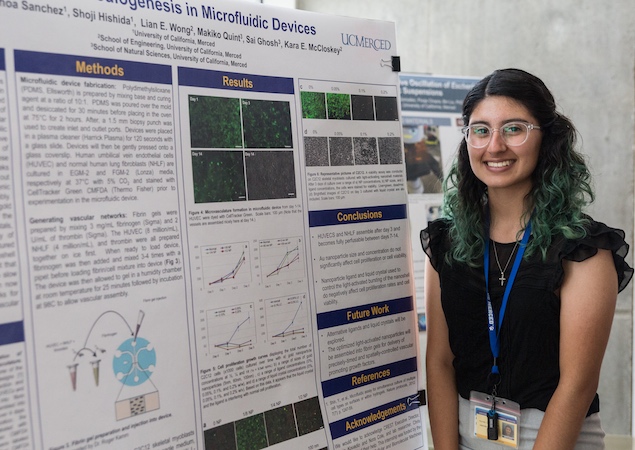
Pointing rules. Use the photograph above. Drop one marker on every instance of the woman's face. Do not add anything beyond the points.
(499, 165)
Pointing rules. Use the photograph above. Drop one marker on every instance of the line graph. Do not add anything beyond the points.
(231, 328)
(281, 259)
(226, 264)
(286, 316)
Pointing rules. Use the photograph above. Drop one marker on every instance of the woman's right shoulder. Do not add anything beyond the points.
(434, 239)
(438, 228)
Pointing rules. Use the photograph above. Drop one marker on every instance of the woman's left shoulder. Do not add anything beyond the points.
(600, 236)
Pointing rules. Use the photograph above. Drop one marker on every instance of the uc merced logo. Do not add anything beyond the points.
(356, 40)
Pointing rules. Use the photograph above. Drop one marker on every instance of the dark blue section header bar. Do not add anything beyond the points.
(2, 62)
(357, 215)
(364, 312)
(90, 67)
(234, 81)
(10, 333)
(373, 416)
(370, 376)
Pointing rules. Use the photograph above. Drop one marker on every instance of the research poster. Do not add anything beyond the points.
(204, 235)
(431, 117)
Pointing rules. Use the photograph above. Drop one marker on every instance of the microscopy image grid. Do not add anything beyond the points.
(350, 151)
(341, 106)
(266, 429)
(346, 151)
(218, 122)
(223, 169)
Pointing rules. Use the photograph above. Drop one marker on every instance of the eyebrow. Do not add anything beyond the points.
(485, 122)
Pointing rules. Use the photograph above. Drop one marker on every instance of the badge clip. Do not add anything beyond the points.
(492, 425)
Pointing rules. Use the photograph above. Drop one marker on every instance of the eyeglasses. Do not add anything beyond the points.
(513, 133)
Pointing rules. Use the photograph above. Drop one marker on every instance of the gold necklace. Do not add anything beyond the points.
(502, 278)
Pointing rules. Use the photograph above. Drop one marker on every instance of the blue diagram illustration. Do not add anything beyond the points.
(133, 363)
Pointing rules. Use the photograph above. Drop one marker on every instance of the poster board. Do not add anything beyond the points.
(431, 108)
(204, 230)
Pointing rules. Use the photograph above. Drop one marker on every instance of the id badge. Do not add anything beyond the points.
(500, 424)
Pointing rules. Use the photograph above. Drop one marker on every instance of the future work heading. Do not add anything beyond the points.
(211, 13)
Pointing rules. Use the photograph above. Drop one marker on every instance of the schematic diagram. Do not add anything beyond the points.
(133, 363)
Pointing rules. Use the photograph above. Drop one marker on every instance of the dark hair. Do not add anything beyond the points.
(561, 179)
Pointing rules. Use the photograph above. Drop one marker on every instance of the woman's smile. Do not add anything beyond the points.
(498, 164)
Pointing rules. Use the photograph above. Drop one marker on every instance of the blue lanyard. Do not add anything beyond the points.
(494, 341)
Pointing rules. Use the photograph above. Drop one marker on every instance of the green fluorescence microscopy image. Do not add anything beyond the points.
(313, 105)
(308, 416)
(270, 175)
(267, 124)
(215, 122)
(338, 106)
(280, 424)
(218, 176)
(251, 433)
(221, 438)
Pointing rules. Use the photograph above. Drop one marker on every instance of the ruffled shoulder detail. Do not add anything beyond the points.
(601, 236)
(434, 241)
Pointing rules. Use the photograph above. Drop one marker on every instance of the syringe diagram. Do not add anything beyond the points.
(133, 363)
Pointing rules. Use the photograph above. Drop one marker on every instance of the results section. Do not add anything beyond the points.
(250, 291)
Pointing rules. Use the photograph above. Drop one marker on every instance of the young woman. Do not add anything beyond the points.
(521, 286)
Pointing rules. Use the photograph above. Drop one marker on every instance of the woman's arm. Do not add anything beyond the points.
(441, 385)
(588, 296)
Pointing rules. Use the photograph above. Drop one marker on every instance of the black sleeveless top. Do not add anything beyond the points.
(529, 336)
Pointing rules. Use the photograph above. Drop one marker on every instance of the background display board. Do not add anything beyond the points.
(431, 114)
(204, 231)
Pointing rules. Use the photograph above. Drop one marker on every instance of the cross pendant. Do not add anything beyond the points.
(502, 278)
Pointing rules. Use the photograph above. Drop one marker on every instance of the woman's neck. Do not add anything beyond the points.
(507, 216)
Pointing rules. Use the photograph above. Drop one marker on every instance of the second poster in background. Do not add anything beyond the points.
(432, 122)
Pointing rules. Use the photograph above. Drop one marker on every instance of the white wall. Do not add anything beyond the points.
(584, 50)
